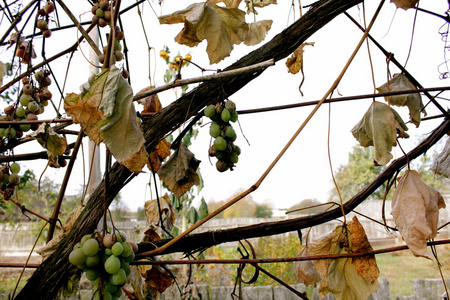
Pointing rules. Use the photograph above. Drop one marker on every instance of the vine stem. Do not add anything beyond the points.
(62, 190)
(272, 165)
(218, 75)
(16, 20)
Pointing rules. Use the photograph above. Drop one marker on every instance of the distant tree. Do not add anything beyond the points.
(118, 208)
(140, 214)
(306, 207)
(263, 210)
(360, 171)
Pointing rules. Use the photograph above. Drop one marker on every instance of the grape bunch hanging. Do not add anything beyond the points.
(223, 147)
(106, 262)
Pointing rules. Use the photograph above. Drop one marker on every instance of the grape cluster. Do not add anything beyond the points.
(42, 21)
(9, 178)
(223, 148)
(33, 99)
(105, 261)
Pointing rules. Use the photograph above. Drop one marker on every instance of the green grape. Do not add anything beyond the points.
(14, 178)
(118, 278)
(14, 167)
(108, 251)
(234, 117)
(85, 238)
(111, 287)
(99, 12)
(77, 256)
(127, 249)
(121, 236)
(25, 127)
(117, 249)
(234, 157)
(237, 149)
(214, 130)
(33, 106)
(210, 111)
(92, 274)
(92, 261)
(77, 245)
(112, 264)
(230, 133)
(24, 99)
(220, 143)
(126, 267)
(5, 178)
(118, 293)
(129, 258)
(2, 132)
(10, 133)
(225, 115)
(107, 295)
(231, 106)
(20, 112)
(90, 247)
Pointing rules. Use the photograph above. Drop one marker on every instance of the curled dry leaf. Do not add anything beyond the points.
(405, 4)
(228, 3)
(151, 103)
(180, 171)
(413, 101)
(415, 208)
(441, 164)
(152, 213)
(105, 111)
(51, 246)
(380, 127)
(54, 143)
(295, 62)
(346, 278)
(251, 4)
(221, 27)
(158, 278)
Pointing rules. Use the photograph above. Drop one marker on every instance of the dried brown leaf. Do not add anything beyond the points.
(295, 62)
(405, 4)
(152, 212)
(441, 164)
(228, 3)
(415, 208)
(158, 278)
(380, 127)
(151, 103)
(54, 143)
(180, 171)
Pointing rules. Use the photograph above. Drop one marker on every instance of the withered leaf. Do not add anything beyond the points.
(180, 171)
(415, 208)
(295, 62)
(54, 143)
(251, 4)
(441, 164)
(405, 4)
(158, 278)
(162, 150)
(2, 71)
(257, 32)
(221, 27)
(152, 212)
(346, 278)
(380, 127)
(105, 111)
(228, 3)
(413, 101)
(151, 103)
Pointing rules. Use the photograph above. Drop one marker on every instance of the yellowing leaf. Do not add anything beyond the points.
(415, 208)
(251, 4)
(105, 111)
(441, 164)
(380, 127)
(221, 27)
(295, 62)
(346, 278)
(228, 3)
(257, 32)
(54, 143)
(180, 171)
(413, 101)
(151, 103)
(405, 4)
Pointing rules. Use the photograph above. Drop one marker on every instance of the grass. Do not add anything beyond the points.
(402, 267)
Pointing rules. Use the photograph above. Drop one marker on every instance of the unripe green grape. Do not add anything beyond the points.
(77, 245)
(111, 287)
(118, 293)
(85, 238)
(24, 99)
(14, 178)
(127, 249)
(221, 165)
(112, 264)
(25, 127)
(77, 257)
(118, 55)
(225, 115)
(237, 149)
(230, 133)
(99, 12)
(121, 236)
(90, 247)
(2, 132)
(92, 261)
(14, 167)
(92, 274)
(231, 106)
(119, 278)
(220, 143)
(39, 75)
(5, 178)
(234, 117)
(117, 249)
(20, 112)
(107, 295)
(234, 157)
(33, 106)
(129, 258)
(108, 251)
(214, 130)
(126, 267)
(210, 111)
(10, 133)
